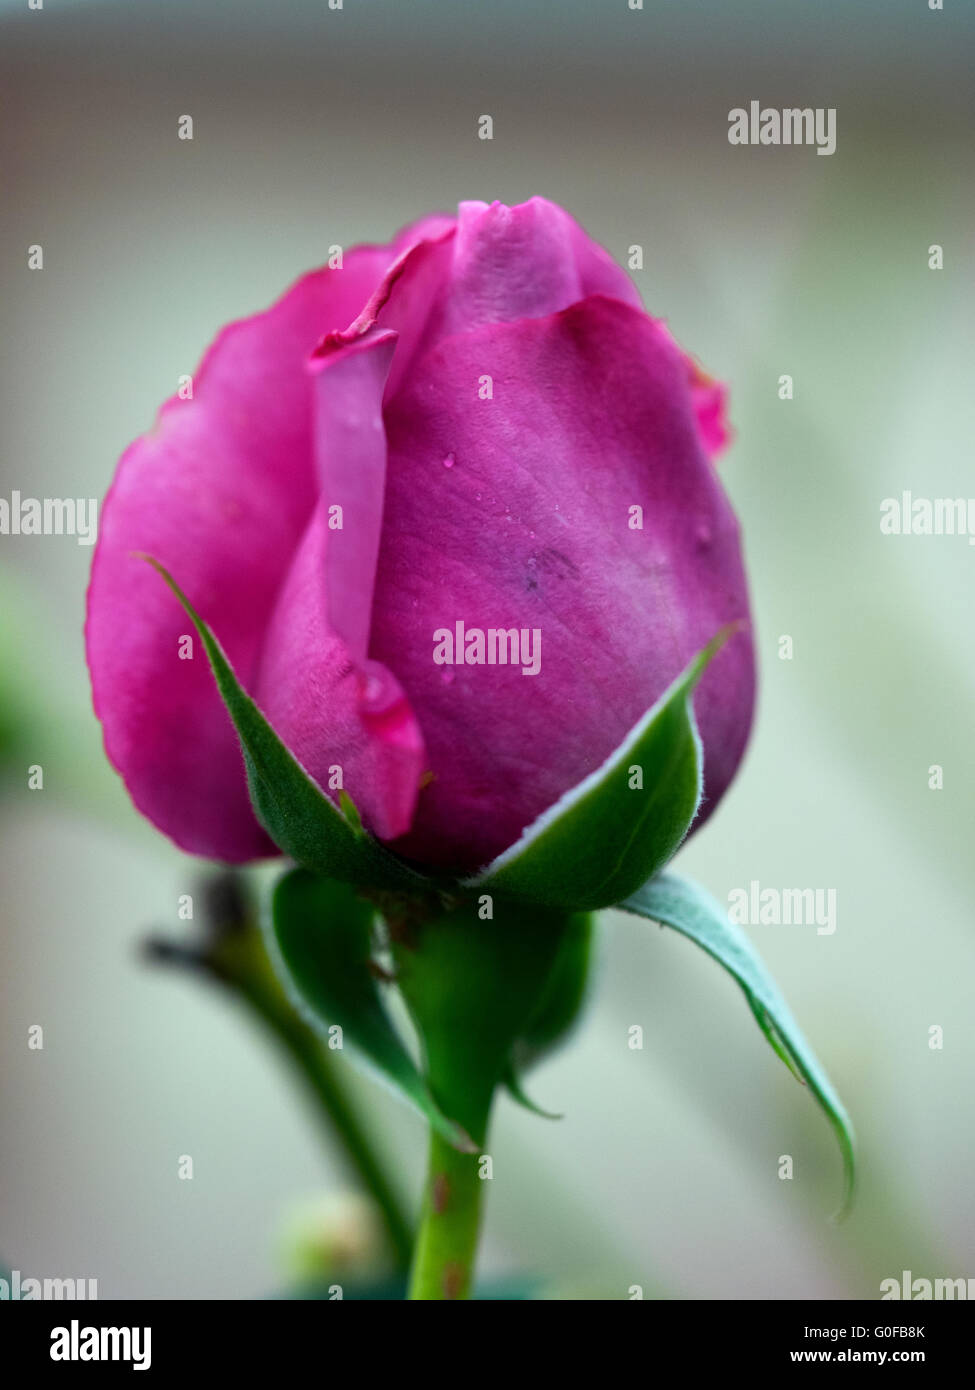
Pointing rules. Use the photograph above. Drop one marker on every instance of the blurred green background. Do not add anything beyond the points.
(315, 127)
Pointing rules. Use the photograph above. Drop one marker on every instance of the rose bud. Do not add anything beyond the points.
(477, 430)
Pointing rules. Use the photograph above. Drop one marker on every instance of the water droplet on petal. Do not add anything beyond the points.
(448, 461)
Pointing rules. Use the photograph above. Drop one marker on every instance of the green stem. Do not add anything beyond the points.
(446, 1244)
(472, 985)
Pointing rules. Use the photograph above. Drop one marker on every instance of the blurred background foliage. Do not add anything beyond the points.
(315, 127)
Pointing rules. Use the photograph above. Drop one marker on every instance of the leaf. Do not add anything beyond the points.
(512, 1084)
(295, 812)
(565, 991)
(676, 903)
(557, 1011)
(324, 935)
(604, 838)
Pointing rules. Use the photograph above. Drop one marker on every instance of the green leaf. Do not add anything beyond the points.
(565, 991)
(676, 903)
(558, 1009)
(515, 1089)
(295, 812)
(606, 837)
(324, 935)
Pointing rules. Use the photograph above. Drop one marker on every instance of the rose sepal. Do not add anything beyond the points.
(620, 825)
(558, 1010)
(676, 902)
(301, 820)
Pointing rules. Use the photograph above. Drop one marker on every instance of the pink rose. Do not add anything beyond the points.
(486, 417)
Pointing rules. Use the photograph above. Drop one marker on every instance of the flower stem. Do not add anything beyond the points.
(446, 1244)
(472, 985)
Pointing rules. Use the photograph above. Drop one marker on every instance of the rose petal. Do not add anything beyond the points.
(338, 715)
(522, 262)
(220, 493)
(709, 399)
(528, 527)
(496, 264)
(350, 456)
